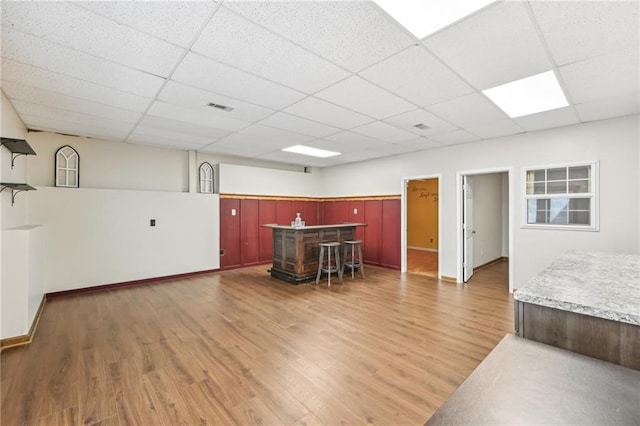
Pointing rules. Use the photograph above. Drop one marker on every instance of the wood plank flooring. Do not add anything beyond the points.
(422, 262)
(239, 347)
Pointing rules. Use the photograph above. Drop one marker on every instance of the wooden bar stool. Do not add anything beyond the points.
(329, 269)
(350, 246)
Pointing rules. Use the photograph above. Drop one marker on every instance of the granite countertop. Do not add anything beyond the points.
(599, 284)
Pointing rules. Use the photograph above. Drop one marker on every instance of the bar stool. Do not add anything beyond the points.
(329, 269)
(353, 263)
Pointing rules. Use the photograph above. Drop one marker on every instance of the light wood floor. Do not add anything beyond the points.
(422, 262)
(239, 347)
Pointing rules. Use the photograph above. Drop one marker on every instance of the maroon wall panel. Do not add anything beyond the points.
(342, 212)
(284, 212)
(249, 232)
(356, 214)
(267, 214)
(372, 240)
(390, 255)
(328, 212)
(311, 213)
(229, 232)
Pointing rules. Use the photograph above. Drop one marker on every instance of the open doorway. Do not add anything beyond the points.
(485, 220)
(422, 221)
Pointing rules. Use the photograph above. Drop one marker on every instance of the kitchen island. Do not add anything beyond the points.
(585, 302)
(296, 249)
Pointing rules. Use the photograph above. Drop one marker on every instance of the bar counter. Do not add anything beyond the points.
(296, 249)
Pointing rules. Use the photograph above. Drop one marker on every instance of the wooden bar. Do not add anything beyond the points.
(296, 249)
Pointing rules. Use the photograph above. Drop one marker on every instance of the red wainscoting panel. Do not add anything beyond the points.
(355, 213)
(267, 214)
(390, 255)
(229, 232)
(284, 212)
(249, 232)
(328, 212)
(342, 212)
(310, 212)
(372, 232)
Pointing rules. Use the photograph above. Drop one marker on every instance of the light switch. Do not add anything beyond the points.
(233, 212)
(355, 211)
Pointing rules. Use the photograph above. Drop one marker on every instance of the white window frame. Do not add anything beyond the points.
(593, 194)
(206, 178)
(63, 157)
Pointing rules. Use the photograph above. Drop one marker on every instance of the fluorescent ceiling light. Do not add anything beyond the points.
(307, 150)
(424, 17)
(540, 92)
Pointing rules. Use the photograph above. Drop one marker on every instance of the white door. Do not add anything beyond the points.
(467, 228)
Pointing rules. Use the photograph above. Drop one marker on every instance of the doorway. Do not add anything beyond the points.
(485, 219)
(422, 225)
(485, 222)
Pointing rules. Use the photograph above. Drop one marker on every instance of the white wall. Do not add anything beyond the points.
(613, 142)
(487, 217)
(237, 179)
(99, 236)
(505, 214)
(113, 165)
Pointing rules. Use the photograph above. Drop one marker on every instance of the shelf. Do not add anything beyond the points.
(15, 188)
(17, 147)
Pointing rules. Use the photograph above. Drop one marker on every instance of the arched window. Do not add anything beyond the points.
(67, 167)
(206, 178)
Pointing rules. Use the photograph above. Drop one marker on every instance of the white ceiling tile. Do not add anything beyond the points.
(40, 78)
(352, 34)
(353, 140)
(74, 128)
(53, 113)
(177, 22)
(361, 155)
(233, 40)
(45, 54)
(408, 120)
(162, 143)
(456, 137)
(266, 136)
(604, 76)
(151, 136)
(32, 95)
(207, 74)
(183, 127)
(418, 77)
(360, 95)
(576, 30)
(334, 146)
(480, 39)
(548, 119)
(92, 34)
(469, 110)
(318, 110)
(191, 97)
(393, 148)
(420, 144)
(615, 106)
(496, 129)
(295, 124)
(203, 116)
(385, 132)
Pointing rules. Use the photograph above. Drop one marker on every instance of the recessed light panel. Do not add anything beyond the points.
(424, 17)
(540, 92)
(307, 150)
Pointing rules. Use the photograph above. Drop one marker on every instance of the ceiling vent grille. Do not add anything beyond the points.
(421, 126)
(222, 107)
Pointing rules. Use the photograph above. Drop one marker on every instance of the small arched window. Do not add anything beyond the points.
(206, 178)
(67, 167)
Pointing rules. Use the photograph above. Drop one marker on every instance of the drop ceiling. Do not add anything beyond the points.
(335, 75)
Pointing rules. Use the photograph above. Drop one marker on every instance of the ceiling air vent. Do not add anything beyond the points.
(421, 126)
(222, 107)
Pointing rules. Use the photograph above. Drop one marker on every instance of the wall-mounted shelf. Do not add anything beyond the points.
(17, 147)
(15, 188)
